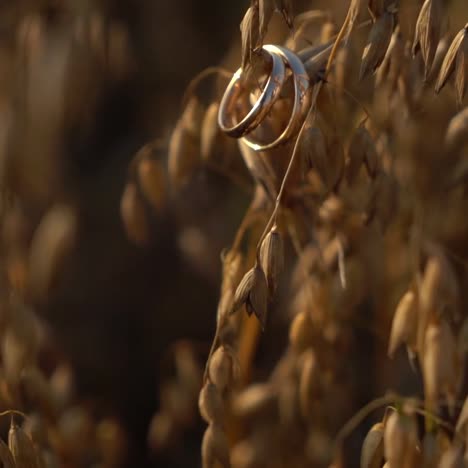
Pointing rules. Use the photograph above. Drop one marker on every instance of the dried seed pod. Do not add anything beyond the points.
(334, 168)
(309, 383)
(301, 332)
(458, 45)
(250, 34)
(404, 324)
(6, 456)
(272, 258)
(255, 401)
(210, 404)
(223, 368)
(377, 44)
(457, 131)
(215, 448)
(53, 241)
(427, 32)
(21, 447)
(439, 363)
(253, 292)
(152, 181)
(372, 447)
(183, 156)
(400, 440)
(134, 215)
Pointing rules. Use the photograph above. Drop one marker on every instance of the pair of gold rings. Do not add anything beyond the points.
(236, 96)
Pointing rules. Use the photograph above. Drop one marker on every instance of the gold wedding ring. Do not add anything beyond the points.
(262, 106)
(236, 94)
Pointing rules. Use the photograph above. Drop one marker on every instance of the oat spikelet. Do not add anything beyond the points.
(210, 404)
(301, 332)
(309, 383)
(314, 149)
(210, 132)
(457, 131)
(439, 363)
(152, 180)
(427, 32)
(272, 258)
(134, 215)
(183, 156)
(250, 34)
(361, 149)
(255, 401)
(223, 368)
(404, 325)
(253, 292)
(372, 447)
(462, 420)
(53, 240)
(5, 456)
(400, 439)
(458, 46)
(215, 449)
(233, 263)
(21, 447)
(461, 68)
(266, 9)
(453, 457)
(377, 44)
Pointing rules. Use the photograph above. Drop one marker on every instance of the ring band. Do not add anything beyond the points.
(301, 99)
(261, 107)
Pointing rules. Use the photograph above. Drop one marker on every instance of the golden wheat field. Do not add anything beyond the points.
(233, 234)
